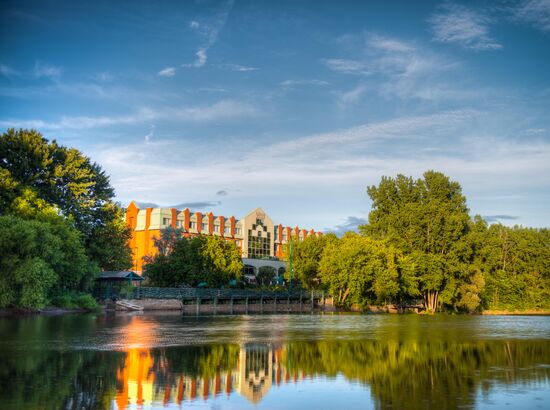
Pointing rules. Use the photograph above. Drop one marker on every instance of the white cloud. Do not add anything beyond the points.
(342, 162)
(42, 69)
(150, 134)
(465, 27)
(389, 44)
(224, 110)
(535, 12)
(299, 83)
(8, 72)
(395, 68)
(346, 66)
(167, 72)
(209, 33)
(238, 67)
(352, 96)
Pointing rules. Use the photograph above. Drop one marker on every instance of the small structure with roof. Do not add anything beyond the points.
(109, 283)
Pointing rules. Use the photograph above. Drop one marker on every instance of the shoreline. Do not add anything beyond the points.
(528, 312)
(47, 311)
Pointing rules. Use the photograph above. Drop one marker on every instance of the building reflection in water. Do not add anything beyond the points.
(445, 372)
(147, 378)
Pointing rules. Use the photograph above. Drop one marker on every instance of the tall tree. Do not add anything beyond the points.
(360, 270)
(42, 177)
(306, 256)
(425, 219)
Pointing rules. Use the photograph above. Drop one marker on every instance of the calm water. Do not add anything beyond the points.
(140, 361)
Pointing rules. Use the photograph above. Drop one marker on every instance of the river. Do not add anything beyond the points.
(166, 361)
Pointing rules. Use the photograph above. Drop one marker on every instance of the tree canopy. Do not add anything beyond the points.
(39, 177)
(39, 260)
(421, 243)
(194, 260)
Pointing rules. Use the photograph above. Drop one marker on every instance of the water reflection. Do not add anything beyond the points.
(396, 372)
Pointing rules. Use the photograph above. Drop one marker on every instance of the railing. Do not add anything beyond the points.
(193, 293)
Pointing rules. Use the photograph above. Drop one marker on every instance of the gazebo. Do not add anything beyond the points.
(108, 283)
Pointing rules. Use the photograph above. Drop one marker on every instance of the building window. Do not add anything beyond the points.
(166, 221)
(276, 236)
(193, 225)
(178, 224)
(204, 227)
(238, 231)
(227, 229)
(216, 228)
(284, 236)
(259, 242)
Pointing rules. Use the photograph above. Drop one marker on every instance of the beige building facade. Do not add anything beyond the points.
(255, 234)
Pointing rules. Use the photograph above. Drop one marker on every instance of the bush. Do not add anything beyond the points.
(75, 301)
(65, 301)
(86, 301)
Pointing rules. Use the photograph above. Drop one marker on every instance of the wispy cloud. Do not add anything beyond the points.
(352, 96)
(300, 83)
(167, 72)
(42, 69)
(209, 32)
(463, 26)
(150, 134)
(222, 192)
(396, 68)
(238, 67)
(535, 12)
(346, 66)
(9, 72)
(333, 163)
(222, 110)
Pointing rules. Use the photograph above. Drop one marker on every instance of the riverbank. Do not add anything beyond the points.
(516, 312)
(47, 311)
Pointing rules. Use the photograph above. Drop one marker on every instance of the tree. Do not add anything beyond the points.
(43, 178)
(194, 260)
(306, 256)
(265, 275)
(222, 261)
(425, 219)
(360, 270)
(40, 259)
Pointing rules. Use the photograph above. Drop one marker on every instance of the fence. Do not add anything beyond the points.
(209, 294)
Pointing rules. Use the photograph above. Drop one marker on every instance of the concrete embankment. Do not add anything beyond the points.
(225, 307)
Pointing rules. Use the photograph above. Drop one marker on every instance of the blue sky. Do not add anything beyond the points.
(295, 107)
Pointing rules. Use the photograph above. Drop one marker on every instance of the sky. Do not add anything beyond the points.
(292, 106)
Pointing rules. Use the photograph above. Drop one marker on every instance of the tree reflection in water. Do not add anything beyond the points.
(410, 373)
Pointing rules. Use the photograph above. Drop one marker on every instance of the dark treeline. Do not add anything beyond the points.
(421, 244)
(59, 224)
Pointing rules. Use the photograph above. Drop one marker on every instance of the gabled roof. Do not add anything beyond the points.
(119, 275)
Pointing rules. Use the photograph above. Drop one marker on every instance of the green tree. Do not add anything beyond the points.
(41, 177)
(40, 259)
(425, 219)
(222, 261)
(181, 260)
(360, 270)
(265, 275)
(306, 256)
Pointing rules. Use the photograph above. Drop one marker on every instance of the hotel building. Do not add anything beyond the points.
(258, 238)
